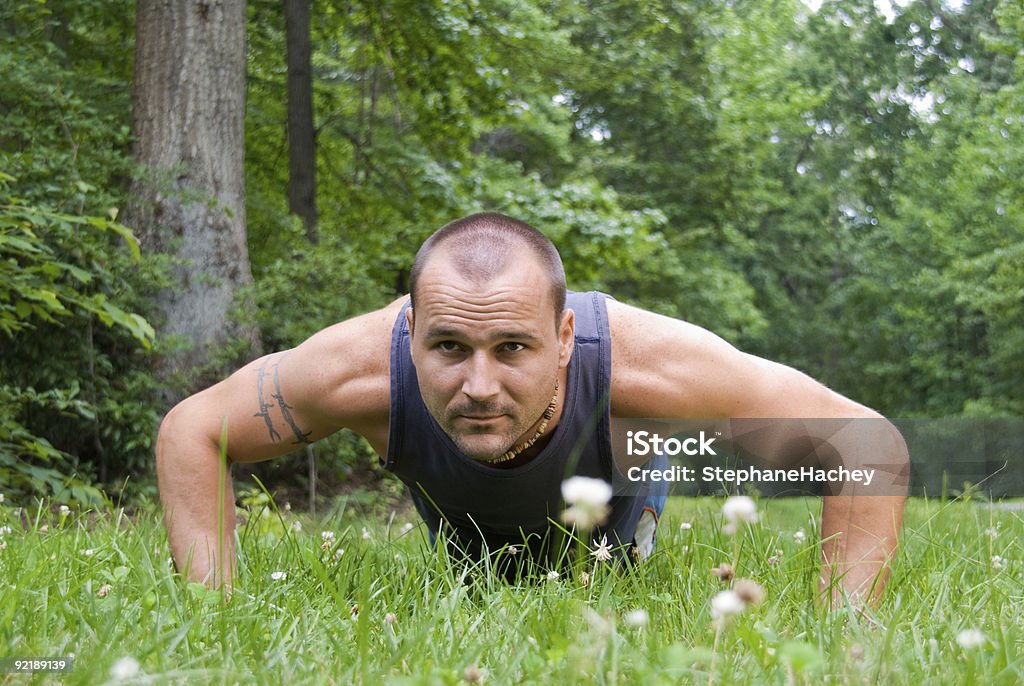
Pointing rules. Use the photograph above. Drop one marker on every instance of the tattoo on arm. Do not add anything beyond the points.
(264, 406)
(284, 407)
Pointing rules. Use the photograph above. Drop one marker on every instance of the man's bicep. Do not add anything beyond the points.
(279, 403)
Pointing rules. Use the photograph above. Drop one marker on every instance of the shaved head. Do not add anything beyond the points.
(484, 245)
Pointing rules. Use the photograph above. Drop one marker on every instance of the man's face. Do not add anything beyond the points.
(487, 356)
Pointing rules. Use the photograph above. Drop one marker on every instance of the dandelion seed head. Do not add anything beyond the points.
(969, 639)
(552, 575)
(125, 668)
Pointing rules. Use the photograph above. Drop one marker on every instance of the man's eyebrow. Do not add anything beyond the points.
(511, 334)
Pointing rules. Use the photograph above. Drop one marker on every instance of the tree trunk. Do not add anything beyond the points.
(189, 105)
(301, 134)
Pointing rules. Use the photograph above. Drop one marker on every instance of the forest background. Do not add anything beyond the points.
(837, 187)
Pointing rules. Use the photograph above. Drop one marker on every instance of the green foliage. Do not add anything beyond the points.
(837, 189)
(58, 274)
(76, 403)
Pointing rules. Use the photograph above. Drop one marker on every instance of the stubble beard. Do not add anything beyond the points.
(469, 443)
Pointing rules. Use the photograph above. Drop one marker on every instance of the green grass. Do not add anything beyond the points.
(423, 618)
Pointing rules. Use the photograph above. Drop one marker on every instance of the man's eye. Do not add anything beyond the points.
(514, 347)
(448, 346)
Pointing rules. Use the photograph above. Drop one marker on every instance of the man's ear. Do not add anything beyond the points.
(566, 337)
(409, 319)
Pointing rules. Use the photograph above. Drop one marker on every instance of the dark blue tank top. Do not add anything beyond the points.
(479, 504)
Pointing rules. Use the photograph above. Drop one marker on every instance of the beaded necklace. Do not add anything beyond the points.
(513, 453)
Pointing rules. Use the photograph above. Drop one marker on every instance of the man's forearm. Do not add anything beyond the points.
(860, 526)
(198, 503)
(859, 535)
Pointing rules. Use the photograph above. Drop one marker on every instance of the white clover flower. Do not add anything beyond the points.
(552, 575)
(588, 501)
(1, 498)
(4, 530)
(327, 536)
(997, 562)
(3, 544)
(407, 527)
(125, 668)
(65, 510)
(279, 576)
(601, 551)
(88, 552)
(725, 605)
(104, 590)
(685, 526)
(512, 550)
(366, 534)
(390, 618)
(473, 675)
(991, 532)
(583, 490)
(296, 526)
(799, 536)
(338, 553)
(969, 639)
(585, 578)
(750, 592)
(739, 509)
(636, 618)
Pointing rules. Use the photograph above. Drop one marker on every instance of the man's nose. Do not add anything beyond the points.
(481, 381)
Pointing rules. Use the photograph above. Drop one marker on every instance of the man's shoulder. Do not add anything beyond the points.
(348, 364)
